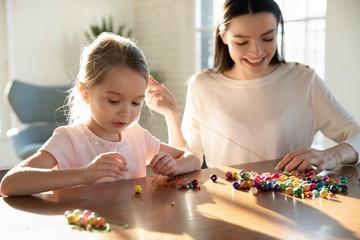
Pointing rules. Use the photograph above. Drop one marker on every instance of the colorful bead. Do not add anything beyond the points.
(323, 193)
(333, 188)
(245, 176)
(253, 190)
(236, 185)
(242, 171)
(137, 189)
(265, 187)
(86, 220)
(306, 187)
(235, 175)
(228, 174)
(289, 191)
(183, 183)
(298, 191)
(344, 187)
(213, 177)
(195, 182)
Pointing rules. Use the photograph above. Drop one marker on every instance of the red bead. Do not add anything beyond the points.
(228, 174)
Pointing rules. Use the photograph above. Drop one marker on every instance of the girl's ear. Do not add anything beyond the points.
(83, 91)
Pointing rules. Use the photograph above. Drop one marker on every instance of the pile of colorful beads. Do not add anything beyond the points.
(305, 184)
(87, 220)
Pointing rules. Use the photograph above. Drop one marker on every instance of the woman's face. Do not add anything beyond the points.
(251, 39)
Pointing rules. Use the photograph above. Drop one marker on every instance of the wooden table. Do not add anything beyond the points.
(216, 211)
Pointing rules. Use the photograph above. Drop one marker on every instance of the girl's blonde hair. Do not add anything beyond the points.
(107, 51)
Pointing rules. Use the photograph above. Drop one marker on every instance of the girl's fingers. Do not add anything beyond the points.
(160, 163)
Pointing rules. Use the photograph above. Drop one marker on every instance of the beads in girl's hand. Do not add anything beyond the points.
(86, 220)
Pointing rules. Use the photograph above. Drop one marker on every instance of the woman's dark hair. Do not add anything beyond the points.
(235, 8)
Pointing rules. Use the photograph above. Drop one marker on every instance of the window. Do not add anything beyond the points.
(207, 13)
(304, 41)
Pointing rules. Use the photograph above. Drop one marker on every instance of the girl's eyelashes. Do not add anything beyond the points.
(265, 40)
(113, 101)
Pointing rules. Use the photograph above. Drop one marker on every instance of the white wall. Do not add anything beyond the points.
(342, 71)
(46, 35)
(44, 42)
(166, 34)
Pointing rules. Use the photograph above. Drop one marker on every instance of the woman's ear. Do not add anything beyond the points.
(223, 38)
(83, 91)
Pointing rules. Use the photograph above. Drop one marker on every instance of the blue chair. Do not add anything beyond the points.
(39, 108)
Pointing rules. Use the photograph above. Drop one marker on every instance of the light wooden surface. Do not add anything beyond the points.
(216, 211)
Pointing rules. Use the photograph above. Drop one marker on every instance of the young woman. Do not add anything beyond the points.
(253, 105)
(103, 140)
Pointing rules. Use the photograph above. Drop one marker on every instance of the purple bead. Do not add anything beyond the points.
(334, 189)
(276, 187)
(236, 184)
(213, 177)
(344, 187)
(265, 187)
(195, 182)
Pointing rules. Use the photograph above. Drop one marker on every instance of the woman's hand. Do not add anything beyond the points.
(306, 157)
(110, 164)
(159, 99)
(163, 164)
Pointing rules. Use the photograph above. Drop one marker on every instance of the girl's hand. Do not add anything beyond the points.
(159, 99)
(306, 157)
(110, 164)
(164, 164)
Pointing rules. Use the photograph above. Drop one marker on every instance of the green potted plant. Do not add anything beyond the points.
(108, 26)
(105, 26)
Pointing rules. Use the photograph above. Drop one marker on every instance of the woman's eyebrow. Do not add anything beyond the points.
(243, 36)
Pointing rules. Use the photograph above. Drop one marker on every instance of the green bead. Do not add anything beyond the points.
(298, 191)
(343, 178)
(245, 176)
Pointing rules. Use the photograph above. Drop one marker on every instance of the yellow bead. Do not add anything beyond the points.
(324, 193)
(138, 189)
(235, 175)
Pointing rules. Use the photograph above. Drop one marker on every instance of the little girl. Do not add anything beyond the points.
(103, 140)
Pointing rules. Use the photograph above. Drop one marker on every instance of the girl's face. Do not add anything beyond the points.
(115, 102)
(251, 39)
